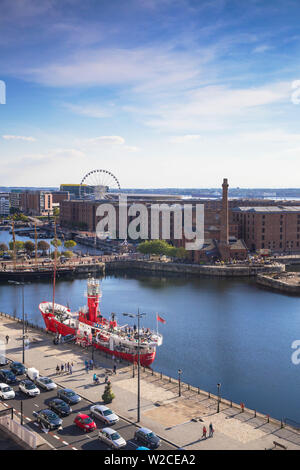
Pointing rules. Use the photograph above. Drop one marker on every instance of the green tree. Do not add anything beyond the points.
(29, 246)
(3, 247)
(56, 211)
(70, 244)
(155, 247)
(108, 394)
(56, 242)
(18, 244)
(181, 253)
(58, 254)
(43, 246)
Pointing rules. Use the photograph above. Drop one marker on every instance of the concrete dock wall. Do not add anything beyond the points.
(205, 270)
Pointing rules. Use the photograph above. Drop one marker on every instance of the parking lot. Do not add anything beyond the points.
(70, 437)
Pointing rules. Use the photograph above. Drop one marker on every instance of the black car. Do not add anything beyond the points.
(147, 438)
(7, 376)
(60, 407)
(48, 418)
(68, 396)
(17, 368)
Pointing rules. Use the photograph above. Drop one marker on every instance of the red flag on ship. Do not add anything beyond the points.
(160, 319)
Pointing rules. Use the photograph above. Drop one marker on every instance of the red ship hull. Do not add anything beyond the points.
(56, 327)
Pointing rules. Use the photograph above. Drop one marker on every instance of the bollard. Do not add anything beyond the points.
(230, 403)
(242, 407)
(198, 391)
(208, 394)
(169, 379)
(268, 418)
(188, 386)
(254, 413)
(161, 375)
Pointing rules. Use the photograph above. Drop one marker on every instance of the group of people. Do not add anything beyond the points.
(88, 365)
(211, 431)
(64, 368)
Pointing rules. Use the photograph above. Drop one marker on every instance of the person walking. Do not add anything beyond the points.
(71, 369)
(204, 432)
(62, 369)
(7, 339)
(91, 364)
(115, 369)
(57, 369)
(211, 430)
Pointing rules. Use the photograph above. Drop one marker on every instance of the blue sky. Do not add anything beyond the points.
(163, 93)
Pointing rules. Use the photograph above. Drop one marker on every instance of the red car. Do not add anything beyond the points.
(85, 422)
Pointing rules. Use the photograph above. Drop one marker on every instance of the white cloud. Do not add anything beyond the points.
(88, 110)
(147, 67)
(110, 141)
(262, 48)
(107, 139)
(19, 137)
(210, 107)
(181, 139)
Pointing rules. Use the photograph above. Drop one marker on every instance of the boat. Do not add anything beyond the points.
(90, 328)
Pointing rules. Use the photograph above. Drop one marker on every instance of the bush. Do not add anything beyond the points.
(108, 394)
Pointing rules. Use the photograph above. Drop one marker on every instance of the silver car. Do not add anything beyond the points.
(112, 438)
(104, 414)
(46, 383)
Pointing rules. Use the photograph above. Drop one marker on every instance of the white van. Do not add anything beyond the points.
(32, 373)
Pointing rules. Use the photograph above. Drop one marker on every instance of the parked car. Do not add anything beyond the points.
(17, 368)
(29, 388)
(147, 437)
(6, 392)
(85, 422)
(46, 383)
(48, 418)
(112, 438)
(60, 407)
(32, 373)
(3, 360)
(7, 376)
(104, 414)
(68, 396)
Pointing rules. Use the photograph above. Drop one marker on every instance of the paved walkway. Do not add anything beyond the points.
(177, 419)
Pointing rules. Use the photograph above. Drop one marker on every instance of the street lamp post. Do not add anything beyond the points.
(219, 398)
(23, 319)
(179, 382)
(138, 316)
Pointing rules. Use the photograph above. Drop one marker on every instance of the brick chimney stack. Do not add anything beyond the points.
(224, 235)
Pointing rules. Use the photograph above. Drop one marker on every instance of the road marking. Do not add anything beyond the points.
(36, 424)
(66, 443)
(74, 448)
(56, 437)
(28, 419)
(36, 405)
(5, 404)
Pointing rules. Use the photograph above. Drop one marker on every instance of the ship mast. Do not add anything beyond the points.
(14, 244)
(54, 267)
(35, 243)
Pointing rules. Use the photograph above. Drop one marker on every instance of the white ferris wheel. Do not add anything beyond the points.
(99, 184)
